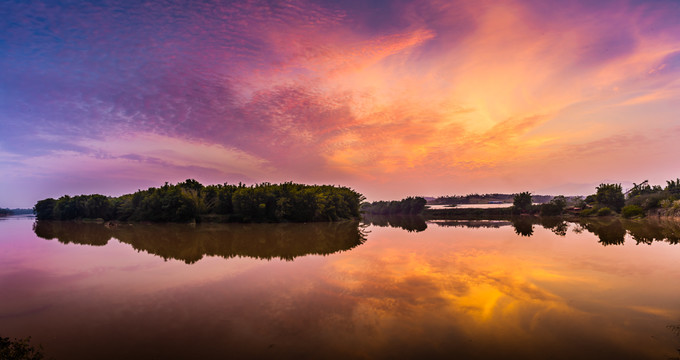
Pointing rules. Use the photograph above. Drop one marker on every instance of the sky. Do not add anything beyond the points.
(390, 98)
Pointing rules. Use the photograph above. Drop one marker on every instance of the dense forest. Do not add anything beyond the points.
(5, 212)
(191, 201)
(407, 206)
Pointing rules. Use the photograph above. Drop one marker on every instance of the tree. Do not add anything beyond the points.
(591, 199)
(610, 195)
(560, 201)
(522, 201)
(98, 206)
(44, 209)
(408, 206)
(554, 207)
(673, 186)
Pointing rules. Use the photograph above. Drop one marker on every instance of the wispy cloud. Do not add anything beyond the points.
(453, 94)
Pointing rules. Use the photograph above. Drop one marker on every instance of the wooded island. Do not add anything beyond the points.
(191, 201)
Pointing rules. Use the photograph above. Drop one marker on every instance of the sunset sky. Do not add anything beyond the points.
(391, 98)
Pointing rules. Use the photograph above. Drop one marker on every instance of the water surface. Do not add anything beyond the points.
(443, 289)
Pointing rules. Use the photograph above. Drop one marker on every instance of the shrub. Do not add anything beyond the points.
(550, 209)
(605, 211)
(649, 201)
(629, 211)
(652, 202)
(586, 212)
(666, 203)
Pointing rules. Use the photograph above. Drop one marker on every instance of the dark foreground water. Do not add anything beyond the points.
(467, 290)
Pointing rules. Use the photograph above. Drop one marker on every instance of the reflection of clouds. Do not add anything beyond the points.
(467, 292)
(514, 301)
(476, 285)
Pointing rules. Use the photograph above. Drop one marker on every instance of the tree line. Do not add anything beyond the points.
(482, 199)
(190, 200)
(17, 211)
(408, 206)
(608, 199)
(523, 204)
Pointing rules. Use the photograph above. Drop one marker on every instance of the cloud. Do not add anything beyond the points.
(444, 93)
(117, 165)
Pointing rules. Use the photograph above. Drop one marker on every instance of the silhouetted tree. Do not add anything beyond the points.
(408, 206)
(522, 201)
(673, 186)
(554, 207)
(610, 195)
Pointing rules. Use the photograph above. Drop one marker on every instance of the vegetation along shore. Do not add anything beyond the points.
(608, 200)
(191, 201)
(290, 202)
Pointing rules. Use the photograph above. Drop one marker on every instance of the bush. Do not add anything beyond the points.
(649, 201)
(629, 211)
(586, 212)
(551, 209)
(605, 211)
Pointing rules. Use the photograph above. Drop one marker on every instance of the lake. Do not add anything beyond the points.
(387, 288)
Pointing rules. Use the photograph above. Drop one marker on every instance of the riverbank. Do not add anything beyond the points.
(507, 213)
(673, 213)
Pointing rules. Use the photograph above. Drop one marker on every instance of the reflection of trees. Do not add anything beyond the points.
(473, 223)
(70, 232)
(407, 222)
(653, 229)
(190, 243)
(610, 232)
(523, 225)
(645, 231)
(555, 224)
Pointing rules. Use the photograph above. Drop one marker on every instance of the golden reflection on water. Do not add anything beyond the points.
(441, 292)
(560, 297)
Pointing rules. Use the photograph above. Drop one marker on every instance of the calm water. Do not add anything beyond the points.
(391, 288)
